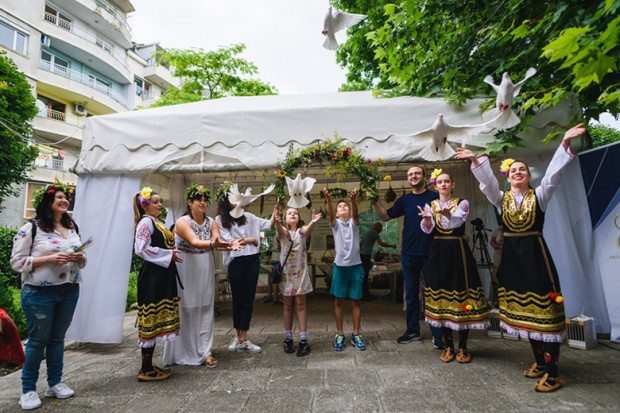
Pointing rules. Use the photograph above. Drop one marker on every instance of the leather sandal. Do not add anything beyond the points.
(548, 384)
(463, 356)
(153, 375)
(210, 362)
(535, 371)
(447, 355)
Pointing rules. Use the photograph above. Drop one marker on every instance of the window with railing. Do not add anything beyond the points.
(56, 17)
(51, 109)
(13, 37)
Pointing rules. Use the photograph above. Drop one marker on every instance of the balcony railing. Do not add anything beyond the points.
(51, 163)
(86, 35)
(113, 16)
(83, 79)
(60, 116)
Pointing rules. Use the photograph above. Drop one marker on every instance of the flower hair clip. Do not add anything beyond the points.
(145, 196)
(196, 190)
(505, 166)
(434, 175)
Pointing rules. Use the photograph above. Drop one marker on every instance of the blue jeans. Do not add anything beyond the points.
(243, 277)
(413, 267)
(48, 311)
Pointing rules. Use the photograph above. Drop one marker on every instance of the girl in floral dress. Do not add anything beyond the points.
(295, 283)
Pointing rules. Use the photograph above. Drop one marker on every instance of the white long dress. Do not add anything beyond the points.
(197, 273)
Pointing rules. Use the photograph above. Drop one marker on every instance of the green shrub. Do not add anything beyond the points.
(132, 291)
(602, 135)
(6, 246)
(10, 301)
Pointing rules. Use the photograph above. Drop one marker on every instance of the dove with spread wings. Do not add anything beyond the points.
(506, 91)
(297, 190)
(336, 21)
(242, 200)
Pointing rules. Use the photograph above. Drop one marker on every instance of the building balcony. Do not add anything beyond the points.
(160, 75)
(54, 126)
(110, 60)
(87, 81)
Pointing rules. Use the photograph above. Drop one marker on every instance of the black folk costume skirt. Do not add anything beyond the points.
(158, 304)
(453, 284)
(528, 283)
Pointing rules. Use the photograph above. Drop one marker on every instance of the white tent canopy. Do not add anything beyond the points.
(180, 143)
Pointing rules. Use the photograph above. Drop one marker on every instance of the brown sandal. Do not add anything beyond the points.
(548, 384)
(463, 356)
(153, 375)
(535, 371)
(447, 355)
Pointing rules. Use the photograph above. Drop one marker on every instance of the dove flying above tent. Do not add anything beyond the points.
(336, 21)
(243, 200)
(435, 139)
(506, 92)
(297, 190)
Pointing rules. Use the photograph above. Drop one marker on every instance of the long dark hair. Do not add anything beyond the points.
(45, 216)
(195, 197)
(223, 210)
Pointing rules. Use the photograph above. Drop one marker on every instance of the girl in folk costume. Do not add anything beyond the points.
(530, 298)
(158, 303)
(454, 295)
(196, 235)
(295, 283)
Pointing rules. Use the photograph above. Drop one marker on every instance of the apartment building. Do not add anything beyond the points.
(80, 60)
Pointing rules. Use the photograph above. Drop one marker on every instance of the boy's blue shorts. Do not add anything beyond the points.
(348, 279)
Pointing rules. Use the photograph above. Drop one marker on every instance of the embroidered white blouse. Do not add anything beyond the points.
(45, 243)
(143, 247)
(252, 229)
(490, 187)
(458, 218)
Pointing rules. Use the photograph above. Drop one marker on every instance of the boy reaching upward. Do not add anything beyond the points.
(348, 275)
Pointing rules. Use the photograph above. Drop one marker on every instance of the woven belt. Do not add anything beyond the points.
(522, 234)
(446, 237)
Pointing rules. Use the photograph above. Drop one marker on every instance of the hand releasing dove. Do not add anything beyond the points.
(506, 92)
(243, 200)
(440, 133)
(335, 22)
(297, 189)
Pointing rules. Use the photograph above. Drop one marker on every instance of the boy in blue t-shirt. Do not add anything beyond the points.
(348, 275)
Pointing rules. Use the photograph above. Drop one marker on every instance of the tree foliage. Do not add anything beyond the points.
(211, 75)
(446, 48)
(603, 135)
(17, 109)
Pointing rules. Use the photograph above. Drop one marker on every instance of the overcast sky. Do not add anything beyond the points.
(283, 37)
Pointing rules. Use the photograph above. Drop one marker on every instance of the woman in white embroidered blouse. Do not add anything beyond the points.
(50, 273)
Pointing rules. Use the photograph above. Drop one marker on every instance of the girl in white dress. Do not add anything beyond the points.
(295, 283)
(196, 236)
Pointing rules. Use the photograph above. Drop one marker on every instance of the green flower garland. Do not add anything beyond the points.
(343, 159)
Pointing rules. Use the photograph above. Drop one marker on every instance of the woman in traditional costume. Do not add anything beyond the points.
(158, 301)
(454, 297)
(529, 293)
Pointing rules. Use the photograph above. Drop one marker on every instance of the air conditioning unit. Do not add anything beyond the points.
(45, 40)
(79, 109)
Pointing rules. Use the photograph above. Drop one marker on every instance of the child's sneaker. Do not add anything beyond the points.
(356, 340)
(339, 344)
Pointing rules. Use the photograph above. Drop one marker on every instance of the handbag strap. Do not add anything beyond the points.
(287, 254)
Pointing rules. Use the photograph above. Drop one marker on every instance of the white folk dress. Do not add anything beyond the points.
(197, 273)
(295, 274)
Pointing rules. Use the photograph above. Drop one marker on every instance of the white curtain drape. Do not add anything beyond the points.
(104, 210)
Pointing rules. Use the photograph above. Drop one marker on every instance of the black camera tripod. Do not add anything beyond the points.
(481, 251)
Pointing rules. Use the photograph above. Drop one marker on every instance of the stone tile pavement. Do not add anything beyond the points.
(387, 377)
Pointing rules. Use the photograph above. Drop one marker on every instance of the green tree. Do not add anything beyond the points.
(211, 75)
(446, 48)
(17, 109)
(603, 135)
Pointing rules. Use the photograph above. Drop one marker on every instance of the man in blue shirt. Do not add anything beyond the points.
(414, 252)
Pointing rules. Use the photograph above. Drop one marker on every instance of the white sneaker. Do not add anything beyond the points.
(248, 347)
(233, 344)
(60, 391)
(30, 400)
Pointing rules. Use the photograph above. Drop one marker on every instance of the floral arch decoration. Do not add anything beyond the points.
(339, 158)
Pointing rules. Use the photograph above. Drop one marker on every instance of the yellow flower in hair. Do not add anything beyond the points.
(146, 192)
(505, 166)
(435, 174)
(387, 178)
(200, 189)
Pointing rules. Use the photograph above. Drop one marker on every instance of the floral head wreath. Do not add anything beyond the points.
(67, 188)
(195, 190)
(222, 191)
(145, 196)
(434, 175)
(505, 166)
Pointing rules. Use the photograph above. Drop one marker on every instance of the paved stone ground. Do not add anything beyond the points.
(387, 377)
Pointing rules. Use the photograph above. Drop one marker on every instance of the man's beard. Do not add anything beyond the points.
(419, 185)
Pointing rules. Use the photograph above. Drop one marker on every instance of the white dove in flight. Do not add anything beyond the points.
(506, 92)
(297, 189)
(336, 21)
(440, 133)
(242, 200)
